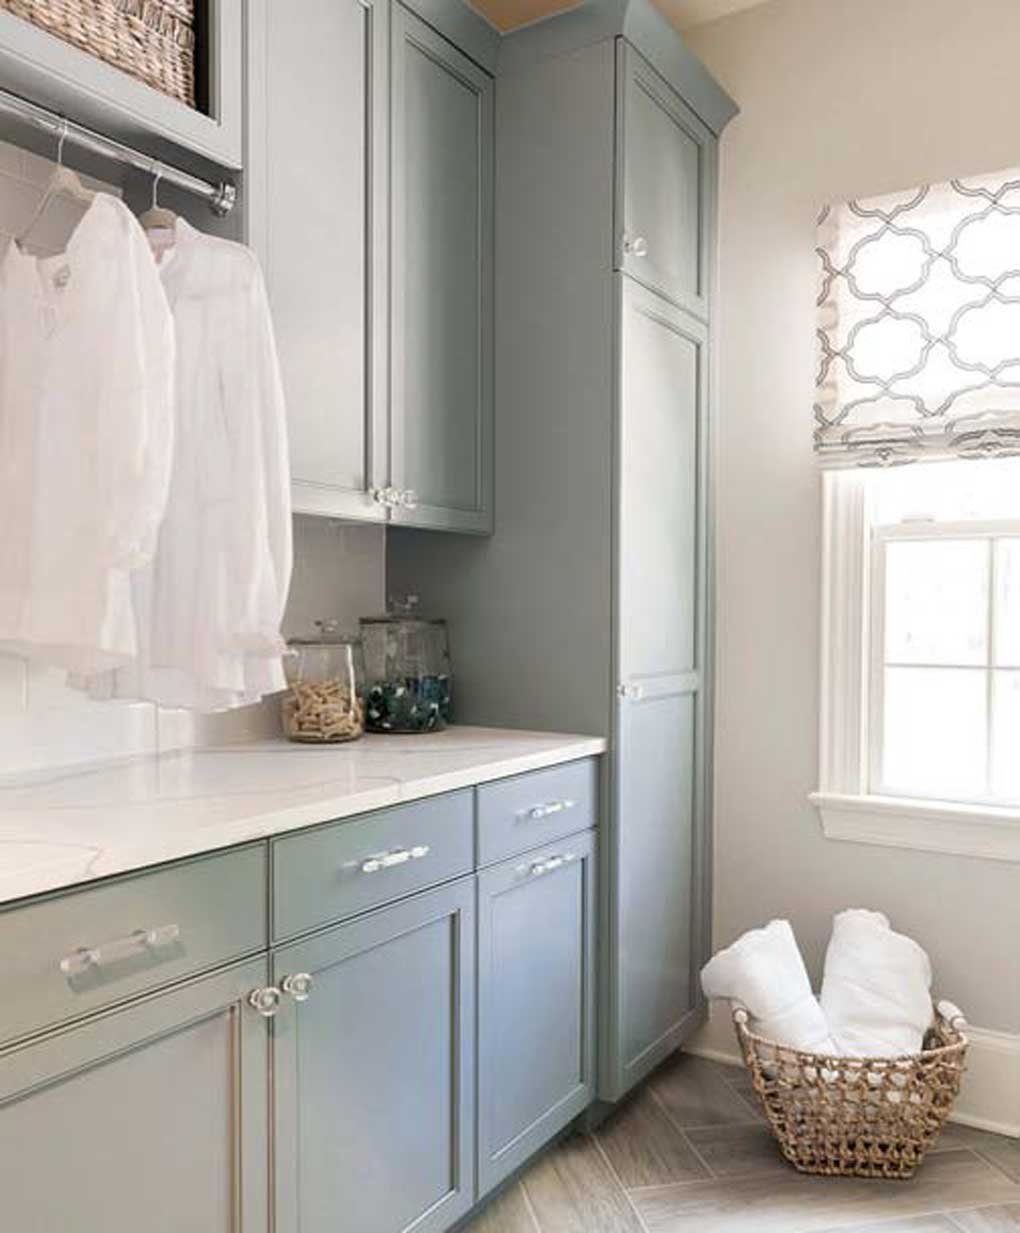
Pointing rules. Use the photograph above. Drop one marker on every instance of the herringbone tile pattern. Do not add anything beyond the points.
(690, 1153)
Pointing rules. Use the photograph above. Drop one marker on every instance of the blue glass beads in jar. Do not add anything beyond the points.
(407, 671)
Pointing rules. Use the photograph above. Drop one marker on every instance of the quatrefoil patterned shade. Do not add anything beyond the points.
(919, 324)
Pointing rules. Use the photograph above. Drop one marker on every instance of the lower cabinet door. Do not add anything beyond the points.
(151, 1117)
(374, 1071)
(536, 1006)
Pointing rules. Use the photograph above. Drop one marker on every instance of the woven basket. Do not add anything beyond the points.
(153, 40)
(857, 1117)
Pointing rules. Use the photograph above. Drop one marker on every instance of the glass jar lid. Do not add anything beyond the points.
(330, 634)
(402, 612)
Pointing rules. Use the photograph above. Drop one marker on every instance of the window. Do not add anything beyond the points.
(945, 686)
(918, 333)
(921, 667)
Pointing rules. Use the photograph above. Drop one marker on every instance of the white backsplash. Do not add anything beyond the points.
(339, 571)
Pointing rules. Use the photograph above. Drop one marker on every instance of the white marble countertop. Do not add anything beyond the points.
(74, 825)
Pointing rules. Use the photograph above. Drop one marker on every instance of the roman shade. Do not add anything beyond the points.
(919, 324)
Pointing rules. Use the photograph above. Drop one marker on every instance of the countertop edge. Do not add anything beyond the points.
(69, 875)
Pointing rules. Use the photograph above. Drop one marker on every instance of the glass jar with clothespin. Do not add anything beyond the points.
(325, 699)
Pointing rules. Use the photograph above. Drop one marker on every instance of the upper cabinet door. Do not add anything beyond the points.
(317, 189)
(442, 220)
(665, 173)
(49, 71)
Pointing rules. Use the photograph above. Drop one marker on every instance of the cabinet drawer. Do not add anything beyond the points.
(534, 809)
(359, 863)
(80, 951)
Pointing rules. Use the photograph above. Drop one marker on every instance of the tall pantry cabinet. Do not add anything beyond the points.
(590, 609)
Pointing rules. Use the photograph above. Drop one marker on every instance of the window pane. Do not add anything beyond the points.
(1007, 603)
(936, 602)
(935, 732)
(955, 492)
(1006, 736)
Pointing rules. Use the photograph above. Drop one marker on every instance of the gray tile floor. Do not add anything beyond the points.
(690, 1153)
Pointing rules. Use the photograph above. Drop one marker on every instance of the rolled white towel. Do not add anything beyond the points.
(876, 991)
(764, 971)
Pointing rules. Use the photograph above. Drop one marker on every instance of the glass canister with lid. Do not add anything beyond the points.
(325, 698)
(407, 671)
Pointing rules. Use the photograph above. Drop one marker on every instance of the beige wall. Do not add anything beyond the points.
(839, 98)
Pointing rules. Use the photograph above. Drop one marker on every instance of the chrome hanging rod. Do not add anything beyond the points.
(221, 197)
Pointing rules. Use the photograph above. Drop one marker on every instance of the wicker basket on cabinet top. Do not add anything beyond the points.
(152, 40)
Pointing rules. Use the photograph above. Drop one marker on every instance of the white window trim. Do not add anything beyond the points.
(848, 811)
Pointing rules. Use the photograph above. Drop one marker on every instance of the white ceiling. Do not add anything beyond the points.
(506, 14)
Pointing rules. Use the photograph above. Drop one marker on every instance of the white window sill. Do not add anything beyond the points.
(925, 826)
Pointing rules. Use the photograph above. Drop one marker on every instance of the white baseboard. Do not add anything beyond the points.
(990, 1099)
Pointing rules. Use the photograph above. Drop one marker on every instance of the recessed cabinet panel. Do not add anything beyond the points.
(375, 1072)
(655, 763)
(664, 167)
(316, 237)
(535, 1004)
(442, 116)
(663, 386)
(152, 1118)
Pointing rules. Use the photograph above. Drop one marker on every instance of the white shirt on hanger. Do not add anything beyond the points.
(86, 439)
(211, 604)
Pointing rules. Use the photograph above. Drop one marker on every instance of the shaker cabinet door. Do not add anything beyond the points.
(665, 170)
(374, 1071)
(536, 1006)
(317, 184)
(151, 1117)
(442, 230)
(656, 934)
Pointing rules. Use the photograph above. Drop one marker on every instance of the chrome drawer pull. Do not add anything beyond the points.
(538, 812)
(298, 986)
(551, 863)
(85, 957)
(400, 856)
(266, 1001)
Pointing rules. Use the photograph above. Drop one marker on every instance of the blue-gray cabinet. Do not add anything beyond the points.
(360, 1027)
(536, 1001)
(374, 1071)
(151, 1116)
(442, 268)
(661, 656)
(316, 201)
(369, 198)
(53, 73)
(665, 177)
(592, 606)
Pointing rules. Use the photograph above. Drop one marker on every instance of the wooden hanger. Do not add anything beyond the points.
(63, 183)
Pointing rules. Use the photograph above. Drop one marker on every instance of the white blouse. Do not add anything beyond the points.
(86, 438)
(211, 604)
